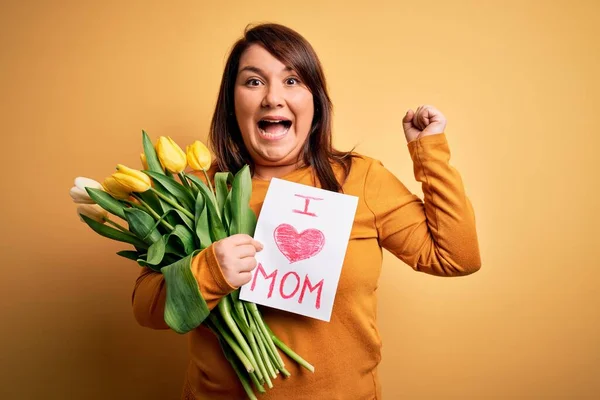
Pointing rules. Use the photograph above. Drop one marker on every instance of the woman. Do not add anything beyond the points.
(273, 112)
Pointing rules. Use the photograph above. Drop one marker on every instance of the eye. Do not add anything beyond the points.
(253, 82)
(292, 81)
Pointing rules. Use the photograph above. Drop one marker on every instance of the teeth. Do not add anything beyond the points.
(274, 121)
(272, 135)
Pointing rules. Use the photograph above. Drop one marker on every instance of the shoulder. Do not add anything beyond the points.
(363, 169)
(363, 165)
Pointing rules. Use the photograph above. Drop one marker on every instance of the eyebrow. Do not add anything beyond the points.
(259, 71)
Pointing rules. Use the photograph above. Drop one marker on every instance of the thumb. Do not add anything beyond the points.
(407, 120)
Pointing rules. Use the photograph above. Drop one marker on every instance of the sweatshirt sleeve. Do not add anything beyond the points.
(149, 294)
(436, 236)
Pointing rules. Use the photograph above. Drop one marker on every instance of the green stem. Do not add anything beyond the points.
(257, 384)
(231, 342)
(173, 203)
(263, 357)
(239, 308)
(154, 213)
(291, 353)
(285, 372)
(261, 325)
(245, 382)
(209, 184)
(241, 376)
(225, 308)
(185, 183)
(258, 357)
(191, 184)
(272, 352)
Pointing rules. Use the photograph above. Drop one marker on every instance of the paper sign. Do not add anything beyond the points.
(305, 233)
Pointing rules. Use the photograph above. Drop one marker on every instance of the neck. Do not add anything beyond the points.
(266, 172)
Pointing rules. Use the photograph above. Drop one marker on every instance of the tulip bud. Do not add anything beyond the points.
(132, 179)
(198, 156)
(144, 161)
(170, 155)
(117, 190)
(78, 192)
(92, 211)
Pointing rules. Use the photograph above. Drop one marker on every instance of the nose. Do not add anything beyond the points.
(273, 97)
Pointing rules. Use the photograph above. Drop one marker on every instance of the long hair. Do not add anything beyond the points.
(293, 50)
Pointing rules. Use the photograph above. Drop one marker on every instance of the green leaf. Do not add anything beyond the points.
(186, 220)
(151, 157)
(106, 201)
(203, 188)
(180, 237)
(185, 308)
(142, 224)
(142, 263)
(175, 188)
(156, 252)
(217, 230)
(243, 219)
(227, 212)
(129, 254)
(174, 219)
(185, 236)
(166, 208)
(222, 189)
(152, 200)
(201, 218)
(112, 233)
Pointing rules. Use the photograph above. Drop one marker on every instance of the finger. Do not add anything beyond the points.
(248, 264)
(257, 245)
(435, 115)
(418, 119)
(239, 239)
(245, 250)
(425, 116)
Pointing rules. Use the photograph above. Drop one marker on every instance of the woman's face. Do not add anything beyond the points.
(274, 109)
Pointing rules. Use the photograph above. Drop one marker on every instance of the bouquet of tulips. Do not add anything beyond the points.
(168, 222)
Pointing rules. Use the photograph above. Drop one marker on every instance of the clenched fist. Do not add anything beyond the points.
(427, 120)
(235, 255)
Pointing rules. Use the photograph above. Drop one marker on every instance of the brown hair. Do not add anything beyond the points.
(292, 49)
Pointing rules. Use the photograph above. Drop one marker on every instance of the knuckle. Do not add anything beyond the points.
(219, 251)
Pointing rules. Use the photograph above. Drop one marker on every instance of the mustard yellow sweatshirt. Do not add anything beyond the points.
(436, 236)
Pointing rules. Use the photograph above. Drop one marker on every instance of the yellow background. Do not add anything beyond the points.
(518, 82)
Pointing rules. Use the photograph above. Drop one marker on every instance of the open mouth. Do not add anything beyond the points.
(274, 129)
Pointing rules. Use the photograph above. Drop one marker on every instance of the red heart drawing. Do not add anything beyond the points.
(298, 246)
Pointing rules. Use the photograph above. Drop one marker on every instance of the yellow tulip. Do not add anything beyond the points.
(117, 190)
(198, 156)
(131, 179)
(144, 161)
(92, 211)
(171, 157)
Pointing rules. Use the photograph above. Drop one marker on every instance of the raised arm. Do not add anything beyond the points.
(437, 236)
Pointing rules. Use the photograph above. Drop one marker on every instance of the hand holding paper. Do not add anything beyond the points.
(235, 255)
